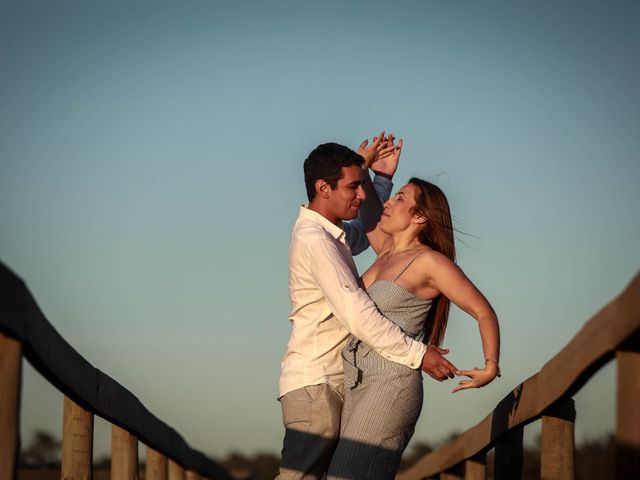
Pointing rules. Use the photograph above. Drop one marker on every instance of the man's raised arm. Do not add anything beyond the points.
(382, 156)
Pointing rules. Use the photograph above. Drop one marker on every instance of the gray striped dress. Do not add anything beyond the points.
(383, 399)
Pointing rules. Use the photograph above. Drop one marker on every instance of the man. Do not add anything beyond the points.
(328, 303)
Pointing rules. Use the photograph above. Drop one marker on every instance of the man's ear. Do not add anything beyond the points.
(322, 188)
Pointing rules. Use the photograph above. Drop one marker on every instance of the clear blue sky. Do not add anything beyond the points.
(151, 169)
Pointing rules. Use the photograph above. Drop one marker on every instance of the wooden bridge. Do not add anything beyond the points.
(24, 331)
(546, 396)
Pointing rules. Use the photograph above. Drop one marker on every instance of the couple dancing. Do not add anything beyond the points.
(351, 384)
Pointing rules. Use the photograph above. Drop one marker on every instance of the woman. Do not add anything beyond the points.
(412, 281)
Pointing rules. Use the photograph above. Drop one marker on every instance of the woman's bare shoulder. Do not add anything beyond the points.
(431, 256)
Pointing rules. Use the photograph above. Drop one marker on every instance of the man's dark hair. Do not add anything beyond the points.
(325, 162)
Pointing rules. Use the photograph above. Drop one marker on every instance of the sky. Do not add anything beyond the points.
(151, 171)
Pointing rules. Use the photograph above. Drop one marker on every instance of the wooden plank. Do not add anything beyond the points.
(557, 442)
(10, 377)
(77, 442)
(628, 411)
(176, 472)
(564, 374)
(191, 475)
(476, 467)
(156, 468)
(124, 455)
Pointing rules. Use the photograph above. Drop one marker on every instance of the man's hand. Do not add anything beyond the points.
(370, 152)
(436, 365)
(386, 162)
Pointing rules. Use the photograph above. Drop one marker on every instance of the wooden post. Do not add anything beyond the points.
(176, 472)
(124, 455)
(454, 473)
(475, 468)
(10, 377)
(156, 465)
(191, 475)
(449, 476)
(77, 442)
(508, 456)
(628, 411)
(557, 441)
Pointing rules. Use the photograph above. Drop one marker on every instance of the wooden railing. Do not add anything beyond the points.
(547, 395)
(24, 331)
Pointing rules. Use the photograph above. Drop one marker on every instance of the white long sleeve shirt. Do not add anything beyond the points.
(328, 304)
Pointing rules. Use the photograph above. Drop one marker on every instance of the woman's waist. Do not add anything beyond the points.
(363, 349)
(362, 356)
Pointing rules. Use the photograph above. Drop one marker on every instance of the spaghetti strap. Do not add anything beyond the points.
(407, 265)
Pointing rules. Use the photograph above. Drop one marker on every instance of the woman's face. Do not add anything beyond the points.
(397, 215)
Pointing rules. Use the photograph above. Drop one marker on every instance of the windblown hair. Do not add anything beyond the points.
(438, 235)
(325, 162)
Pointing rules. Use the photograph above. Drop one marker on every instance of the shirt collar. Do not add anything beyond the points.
(308, 214)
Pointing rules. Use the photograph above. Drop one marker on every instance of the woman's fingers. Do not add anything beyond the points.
(384, 151)
(479, 378)
(463, 385)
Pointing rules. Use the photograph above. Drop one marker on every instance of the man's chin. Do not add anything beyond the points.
(351, 214)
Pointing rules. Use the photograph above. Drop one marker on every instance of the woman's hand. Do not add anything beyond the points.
(479, 377)
(371, 152)
(386, 161)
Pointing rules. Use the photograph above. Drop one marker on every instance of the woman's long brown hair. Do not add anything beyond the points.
(438, 235)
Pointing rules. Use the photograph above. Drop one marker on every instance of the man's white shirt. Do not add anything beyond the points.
(327, 304)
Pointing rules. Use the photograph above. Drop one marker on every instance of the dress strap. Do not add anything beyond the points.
(407, 265)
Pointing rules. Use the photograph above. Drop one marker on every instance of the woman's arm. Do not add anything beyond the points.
(386, 164)
(450, 280)
(377, 193)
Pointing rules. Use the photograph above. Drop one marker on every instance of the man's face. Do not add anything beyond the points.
(346, 198)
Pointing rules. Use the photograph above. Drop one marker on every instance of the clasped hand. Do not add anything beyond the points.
(439, 368)
(382, 155)
(479, 377)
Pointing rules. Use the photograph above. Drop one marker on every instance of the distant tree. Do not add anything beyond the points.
(103, 462)
(531, 460)
(266, 466)
(43, 450)
(239, 466)
(596, 458)
(263, 466)
(417, 451)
